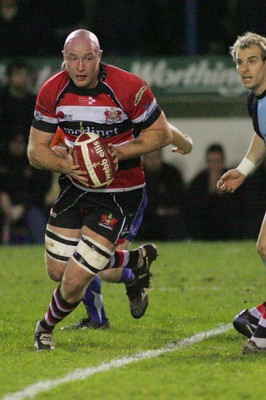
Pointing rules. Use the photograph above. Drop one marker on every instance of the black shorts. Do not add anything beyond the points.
(108, 214)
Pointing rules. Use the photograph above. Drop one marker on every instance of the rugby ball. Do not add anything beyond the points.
(93, 155)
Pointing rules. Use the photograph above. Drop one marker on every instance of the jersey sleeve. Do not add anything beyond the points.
(136, 98)
(143, 107)
(45, 118)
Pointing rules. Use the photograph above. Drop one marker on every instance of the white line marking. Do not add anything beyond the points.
(79, 374)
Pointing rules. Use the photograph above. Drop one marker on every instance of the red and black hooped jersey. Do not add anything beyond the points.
(117, 109)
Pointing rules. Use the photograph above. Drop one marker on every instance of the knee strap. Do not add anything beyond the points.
(59, 247)
(91, 256)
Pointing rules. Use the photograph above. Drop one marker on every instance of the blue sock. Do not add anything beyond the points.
(127, 276)
(93, 301)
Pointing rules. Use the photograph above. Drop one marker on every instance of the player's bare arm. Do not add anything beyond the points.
(183, 143)
(43, 157)
(256, 151)
(156, 136)
(234, 178)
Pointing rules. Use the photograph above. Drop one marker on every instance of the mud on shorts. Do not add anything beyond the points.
(111, 215)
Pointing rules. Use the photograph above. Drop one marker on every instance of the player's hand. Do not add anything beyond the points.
(114, 154)
(231, 180)
(185, 149)
(60, 151)
(177, 150)
(73, 170)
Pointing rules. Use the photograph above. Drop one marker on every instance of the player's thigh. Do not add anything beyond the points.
(60, 244)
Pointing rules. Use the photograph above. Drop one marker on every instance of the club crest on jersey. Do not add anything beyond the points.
(112, 115)
(107, 221)
(139, 95)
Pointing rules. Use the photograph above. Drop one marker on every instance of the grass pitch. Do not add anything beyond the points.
(196, 288)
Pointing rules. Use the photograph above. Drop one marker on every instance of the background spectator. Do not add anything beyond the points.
(163, 217)
(16, 102)
(212, 214)
(22, 188)
(22, 192)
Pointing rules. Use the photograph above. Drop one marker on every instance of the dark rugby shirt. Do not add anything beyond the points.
(257, 112)
(117, 109)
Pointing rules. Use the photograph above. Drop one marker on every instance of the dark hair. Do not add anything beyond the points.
(215, 148)
(16, 65)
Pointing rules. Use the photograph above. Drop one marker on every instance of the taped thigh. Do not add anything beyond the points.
(59, 247)
(91, 256)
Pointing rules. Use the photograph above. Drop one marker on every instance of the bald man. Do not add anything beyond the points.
(86, 225)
